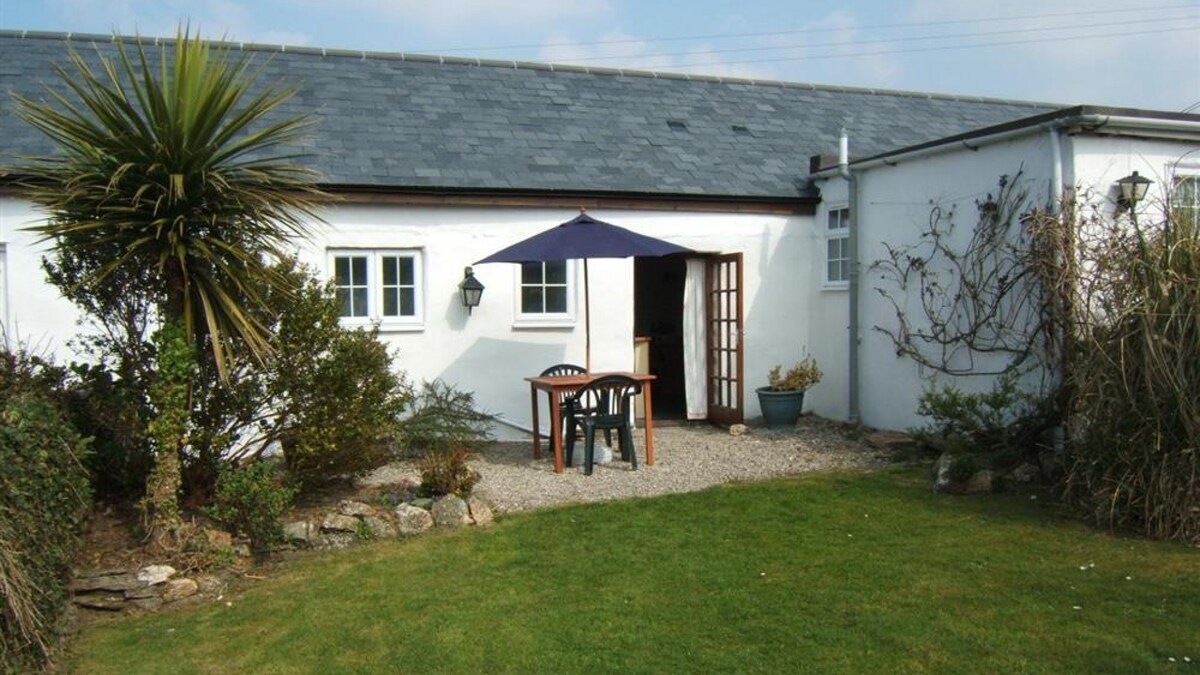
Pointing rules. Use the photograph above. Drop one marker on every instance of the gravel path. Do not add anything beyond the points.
(687, 458)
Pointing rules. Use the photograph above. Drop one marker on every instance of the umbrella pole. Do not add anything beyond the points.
(587, 319)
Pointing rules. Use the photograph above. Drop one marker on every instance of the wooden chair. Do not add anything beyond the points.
(605, 403)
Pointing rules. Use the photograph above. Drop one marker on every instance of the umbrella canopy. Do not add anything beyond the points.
(584, 237)
(581, 238)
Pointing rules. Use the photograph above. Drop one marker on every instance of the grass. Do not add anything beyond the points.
(836, 573)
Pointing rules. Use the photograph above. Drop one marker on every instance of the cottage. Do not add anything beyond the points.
(438, 162)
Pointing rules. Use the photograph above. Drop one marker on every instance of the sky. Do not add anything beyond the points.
(1101, 52)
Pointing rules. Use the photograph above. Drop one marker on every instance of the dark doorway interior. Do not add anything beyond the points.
(658, 315)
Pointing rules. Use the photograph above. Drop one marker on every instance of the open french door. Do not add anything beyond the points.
(725, 357)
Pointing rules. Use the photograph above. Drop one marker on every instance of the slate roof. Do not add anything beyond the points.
(405, 122)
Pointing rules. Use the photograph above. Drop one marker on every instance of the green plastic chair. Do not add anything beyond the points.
(605, 403)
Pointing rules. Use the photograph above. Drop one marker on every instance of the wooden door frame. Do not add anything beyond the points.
(725, 415)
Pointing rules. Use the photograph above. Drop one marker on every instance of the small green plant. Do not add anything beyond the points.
(363, 531)
(444, 418)
(982, 421)
(800, 377)
(447, 473)
(962, 468)
(250, 500)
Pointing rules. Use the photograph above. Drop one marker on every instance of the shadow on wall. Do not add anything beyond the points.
(497, 369)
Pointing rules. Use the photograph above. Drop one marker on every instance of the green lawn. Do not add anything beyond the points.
(842, 573)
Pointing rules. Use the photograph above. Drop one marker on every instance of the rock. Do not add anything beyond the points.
(335, 540)
(114, 583)
(348, 507)
(889, 440)
(481, 512)
(299, 531)
(423, 503)
(980, 482)
(102, 602)
(412, 520)
(942, 482)
(155, 574)
(147, 604)
(336, 522)
(241, 550)
(451, 511)
(1026, 473)
(379, 527)
(145, 592)
(178, 589)
(210, 585)
(738, 429)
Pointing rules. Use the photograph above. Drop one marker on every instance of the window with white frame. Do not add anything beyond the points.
(1185, 197)
(544, 292)
(837, 248)
(383, 285)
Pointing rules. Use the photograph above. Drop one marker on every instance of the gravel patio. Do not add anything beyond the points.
(687, 458)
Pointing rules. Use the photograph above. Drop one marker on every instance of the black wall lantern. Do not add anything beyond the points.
(1132, 189)
(471, 290)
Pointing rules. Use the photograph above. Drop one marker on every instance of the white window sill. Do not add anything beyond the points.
(384, 326)
(835, 286)
(536, 324)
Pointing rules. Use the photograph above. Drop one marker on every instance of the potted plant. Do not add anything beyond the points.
(783, 397)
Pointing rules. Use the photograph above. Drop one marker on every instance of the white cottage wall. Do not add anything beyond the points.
(32, 313)
(894, 206)
(489, 352)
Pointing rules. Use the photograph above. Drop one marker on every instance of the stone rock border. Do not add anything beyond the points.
(354, 521)
(155, 587)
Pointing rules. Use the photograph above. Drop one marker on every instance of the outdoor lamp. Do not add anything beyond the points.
(471, 289)
(1132, 189)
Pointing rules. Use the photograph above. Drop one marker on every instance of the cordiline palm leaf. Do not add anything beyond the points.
(174, 160)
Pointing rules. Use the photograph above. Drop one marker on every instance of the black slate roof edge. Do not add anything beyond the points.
(1033, 121)
(521, 65)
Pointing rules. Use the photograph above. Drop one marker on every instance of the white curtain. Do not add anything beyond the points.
(694, 342)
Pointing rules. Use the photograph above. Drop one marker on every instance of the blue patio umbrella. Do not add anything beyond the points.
(581, 238)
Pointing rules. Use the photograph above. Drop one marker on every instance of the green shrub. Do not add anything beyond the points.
(447, 473)
(338, 400)
(114, 413)
(983, 422)
(43, 499)
(250, 500)
(444, 418)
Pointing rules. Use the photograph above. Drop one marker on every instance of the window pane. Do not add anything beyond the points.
(833, 249)
(408, 302)
(343, 298)
(556, 299)
(833, 271)
(556, 272)
(531, 273)
(391, 303)
(833, 220)
(359, 302)
(407, 266)
(359, 271)
(389, 271)
(341, 271)
(531, 300)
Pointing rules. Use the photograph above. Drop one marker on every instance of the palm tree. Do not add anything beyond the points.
(173, 176)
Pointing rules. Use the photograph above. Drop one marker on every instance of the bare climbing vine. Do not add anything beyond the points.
(954, 303)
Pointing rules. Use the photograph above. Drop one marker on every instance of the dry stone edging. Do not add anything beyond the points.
(148, 588)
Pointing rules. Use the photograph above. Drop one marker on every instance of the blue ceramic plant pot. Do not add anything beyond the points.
(780, 409)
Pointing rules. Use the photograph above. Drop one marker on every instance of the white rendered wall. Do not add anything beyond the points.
(894, 206)
(32, 313)
(1099, 161)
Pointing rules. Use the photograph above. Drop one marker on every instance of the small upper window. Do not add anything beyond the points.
(545, 292)
(382, 286)
(837, 248)
(1185, 198)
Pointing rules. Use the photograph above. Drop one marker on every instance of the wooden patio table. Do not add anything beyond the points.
(557, 385)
